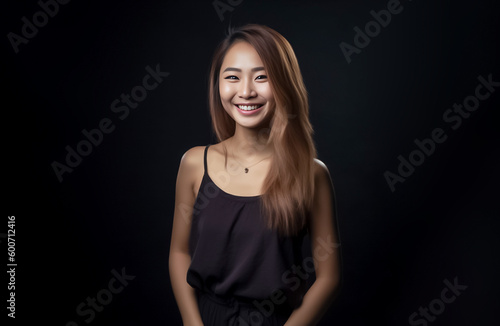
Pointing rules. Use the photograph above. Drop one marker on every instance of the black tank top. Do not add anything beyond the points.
(234, 254)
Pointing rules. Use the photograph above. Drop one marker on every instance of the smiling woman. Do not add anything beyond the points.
(243, 85)
(245, 204)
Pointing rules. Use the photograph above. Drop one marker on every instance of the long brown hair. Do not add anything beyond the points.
(288, 189)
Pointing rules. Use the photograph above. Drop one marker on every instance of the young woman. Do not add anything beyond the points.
(244, 205)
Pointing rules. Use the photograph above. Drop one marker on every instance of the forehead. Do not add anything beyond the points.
(241, 55)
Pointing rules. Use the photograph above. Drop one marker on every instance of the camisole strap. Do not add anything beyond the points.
(205, 159)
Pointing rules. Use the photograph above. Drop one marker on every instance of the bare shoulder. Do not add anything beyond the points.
(321, 171)
(191, 166)
(193, 157)
(322, 178)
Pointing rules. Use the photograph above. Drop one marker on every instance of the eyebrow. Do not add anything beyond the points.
(239, 70)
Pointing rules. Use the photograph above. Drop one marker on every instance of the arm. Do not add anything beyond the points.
(324, 244)
(179, 258)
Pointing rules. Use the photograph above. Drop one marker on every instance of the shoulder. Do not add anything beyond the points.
(191, 167)
(323, 183)
(193, 156)
(192, 162)
(324, 191)
(321, 170)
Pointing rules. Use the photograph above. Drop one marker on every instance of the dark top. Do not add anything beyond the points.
(234, 254)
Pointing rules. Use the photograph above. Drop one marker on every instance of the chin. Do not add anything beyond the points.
(250, 121)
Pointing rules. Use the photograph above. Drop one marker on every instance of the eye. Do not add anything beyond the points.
(261, 77)
(231, 77)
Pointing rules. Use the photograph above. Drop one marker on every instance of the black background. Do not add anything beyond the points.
(115, 209)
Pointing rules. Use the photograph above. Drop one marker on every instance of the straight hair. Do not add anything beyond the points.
(288, 190)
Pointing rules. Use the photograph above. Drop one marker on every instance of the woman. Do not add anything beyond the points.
(244, 205)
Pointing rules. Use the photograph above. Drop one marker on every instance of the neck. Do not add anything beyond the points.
(250, 144)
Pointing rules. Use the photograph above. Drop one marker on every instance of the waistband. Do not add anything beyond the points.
(239, 311)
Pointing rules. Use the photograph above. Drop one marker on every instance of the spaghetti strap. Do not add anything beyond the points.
(205, 159)
(223, 254)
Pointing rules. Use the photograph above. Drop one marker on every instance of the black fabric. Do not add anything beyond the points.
(234, 255)
(219, 311)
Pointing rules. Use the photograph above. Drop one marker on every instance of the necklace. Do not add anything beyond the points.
(247, 167)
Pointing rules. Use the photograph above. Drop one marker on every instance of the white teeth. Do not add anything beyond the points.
(248, 107)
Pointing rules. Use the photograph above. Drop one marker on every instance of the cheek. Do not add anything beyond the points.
(266, 92)
(226, 96)
(226, 92)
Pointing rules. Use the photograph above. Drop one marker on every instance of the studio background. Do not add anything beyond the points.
(114, 210)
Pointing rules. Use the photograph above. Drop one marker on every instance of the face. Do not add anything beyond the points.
(244, 88)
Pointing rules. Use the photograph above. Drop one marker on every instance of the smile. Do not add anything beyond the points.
(249, 109)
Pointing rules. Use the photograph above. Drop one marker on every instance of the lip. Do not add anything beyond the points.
(248, 112)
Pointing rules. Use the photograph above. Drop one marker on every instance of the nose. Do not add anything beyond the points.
(246, 89)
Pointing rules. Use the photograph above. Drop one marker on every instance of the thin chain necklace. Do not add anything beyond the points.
(247, 167)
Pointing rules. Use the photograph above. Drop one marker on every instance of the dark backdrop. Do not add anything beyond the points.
(115, 209)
